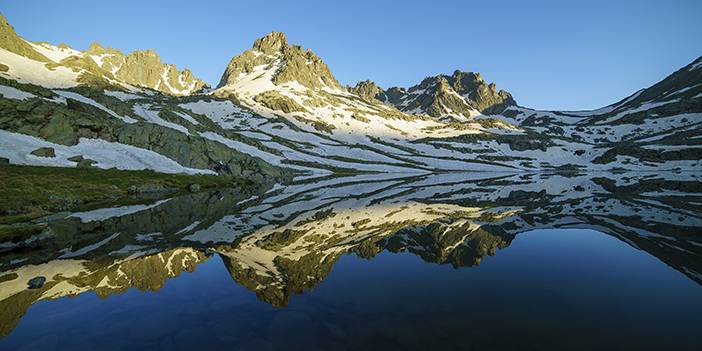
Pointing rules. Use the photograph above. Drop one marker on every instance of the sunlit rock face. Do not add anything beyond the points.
(10, 41)
(460, 95)
(290, 63)
(100, 66)
(145, 69)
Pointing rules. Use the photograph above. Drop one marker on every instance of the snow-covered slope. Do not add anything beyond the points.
(656, 126)
(268, 80)
(278, 106)
(62, 67)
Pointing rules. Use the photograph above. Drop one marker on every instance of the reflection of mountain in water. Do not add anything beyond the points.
(103, 275)
(287, 240)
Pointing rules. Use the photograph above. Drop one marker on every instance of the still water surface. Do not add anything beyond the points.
(576, 262)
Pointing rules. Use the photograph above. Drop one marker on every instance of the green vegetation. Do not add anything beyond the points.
(29, 192)
(20, 232)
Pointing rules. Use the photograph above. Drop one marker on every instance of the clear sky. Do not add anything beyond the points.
(548, 54)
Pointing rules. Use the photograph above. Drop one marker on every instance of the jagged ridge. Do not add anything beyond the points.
(293, 63)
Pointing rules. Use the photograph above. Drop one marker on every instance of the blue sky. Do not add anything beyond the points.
(548, 54)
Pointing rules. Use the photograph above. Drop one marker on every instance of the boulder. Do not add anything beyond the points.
(44, 152)
(36, 282)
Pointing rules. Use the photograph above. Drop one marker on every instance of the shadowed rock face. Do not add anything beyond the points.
(654, 125)
(67, 124)
(681, 89)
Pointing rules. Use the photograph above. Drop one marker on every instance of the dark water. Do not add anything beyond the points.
(562, 262)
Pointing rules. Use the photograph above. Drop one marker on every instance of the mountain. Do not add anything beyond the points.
(111, 109)
(107, 277)
(459, 96)
(292, 64)
(279, 114)
(659, 124)
(144, 69)
(460, 135)
(96, 66)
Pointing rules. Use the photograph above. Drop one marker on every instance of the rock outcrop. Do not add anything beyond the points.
(462, 93)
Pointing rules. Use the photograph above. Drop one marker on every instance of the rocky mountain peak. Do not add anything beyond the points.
(368, 91)
(271, 43)
(144, 68)
(441, 85)
(10, 41)
(139, 68)
(95, 49)
(289, 62)
(461, 93)
(148, 56)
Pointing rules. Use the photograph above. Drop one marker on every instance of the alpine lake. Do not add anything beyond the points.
(479, 261)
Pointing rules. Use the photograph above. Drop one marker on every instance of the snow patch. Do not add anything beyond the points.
(153, 117)
(27, 70)
(111, 212)
(14, 93)
(85, 100)
(18, 147)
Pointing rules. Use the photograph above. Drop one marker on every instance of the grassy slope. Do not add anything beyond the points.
(28, 192)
